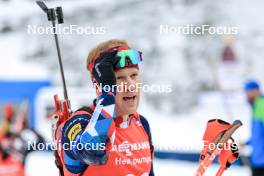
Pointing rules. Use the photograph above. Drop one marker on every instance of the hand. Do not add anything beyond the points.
(103, 70)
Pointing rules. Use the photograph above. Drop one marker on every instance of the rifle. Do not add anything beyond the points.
(62, 107)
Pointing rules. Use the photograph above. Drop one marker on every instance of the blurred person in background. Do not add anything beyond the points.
(8, 115)
(228, 54)
(256, 100)
(10, 163)
(14, 140)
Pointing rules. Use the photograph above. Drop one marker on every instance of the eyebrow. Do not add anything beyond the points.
(120, 76)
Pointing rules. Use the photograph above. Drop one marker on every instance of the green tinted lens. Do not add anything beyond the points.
(132, 55)
(122, 60)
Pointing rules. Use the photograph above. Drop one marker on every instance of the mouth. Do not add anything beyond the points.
(129, 98)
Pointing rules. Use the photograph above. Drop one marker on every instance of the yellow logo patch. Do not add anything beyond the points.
(74, 131)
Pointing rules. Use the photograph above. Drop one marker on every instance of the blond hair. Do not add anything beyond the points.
(103, 47)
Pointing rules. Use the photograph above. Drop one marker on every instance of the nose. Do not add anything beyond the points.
(130, 85)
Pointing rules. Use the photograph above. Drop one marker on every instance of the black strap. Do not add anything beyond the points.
(58, 162)
(148, 131)
(87, 109)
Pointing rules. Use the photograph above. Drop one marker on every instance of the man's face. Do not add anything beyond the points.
(127, 99)
(252, 95)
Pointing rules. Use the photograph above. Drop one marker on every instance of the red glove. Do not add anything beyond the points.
(213, 129)
(229, 154)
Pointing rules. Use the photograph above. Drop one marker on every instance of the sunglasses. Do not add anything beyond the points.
(128, 57)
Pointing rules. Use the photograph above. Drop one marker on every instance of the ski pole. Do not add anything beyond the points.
(206, 162)
(220, 171)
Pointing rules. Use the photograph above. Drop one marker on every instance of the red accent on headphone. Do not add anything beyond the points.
(120, 48)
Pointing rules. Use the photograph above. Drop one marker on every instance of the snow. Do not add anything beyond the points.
(184, 57)
(12, 67)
